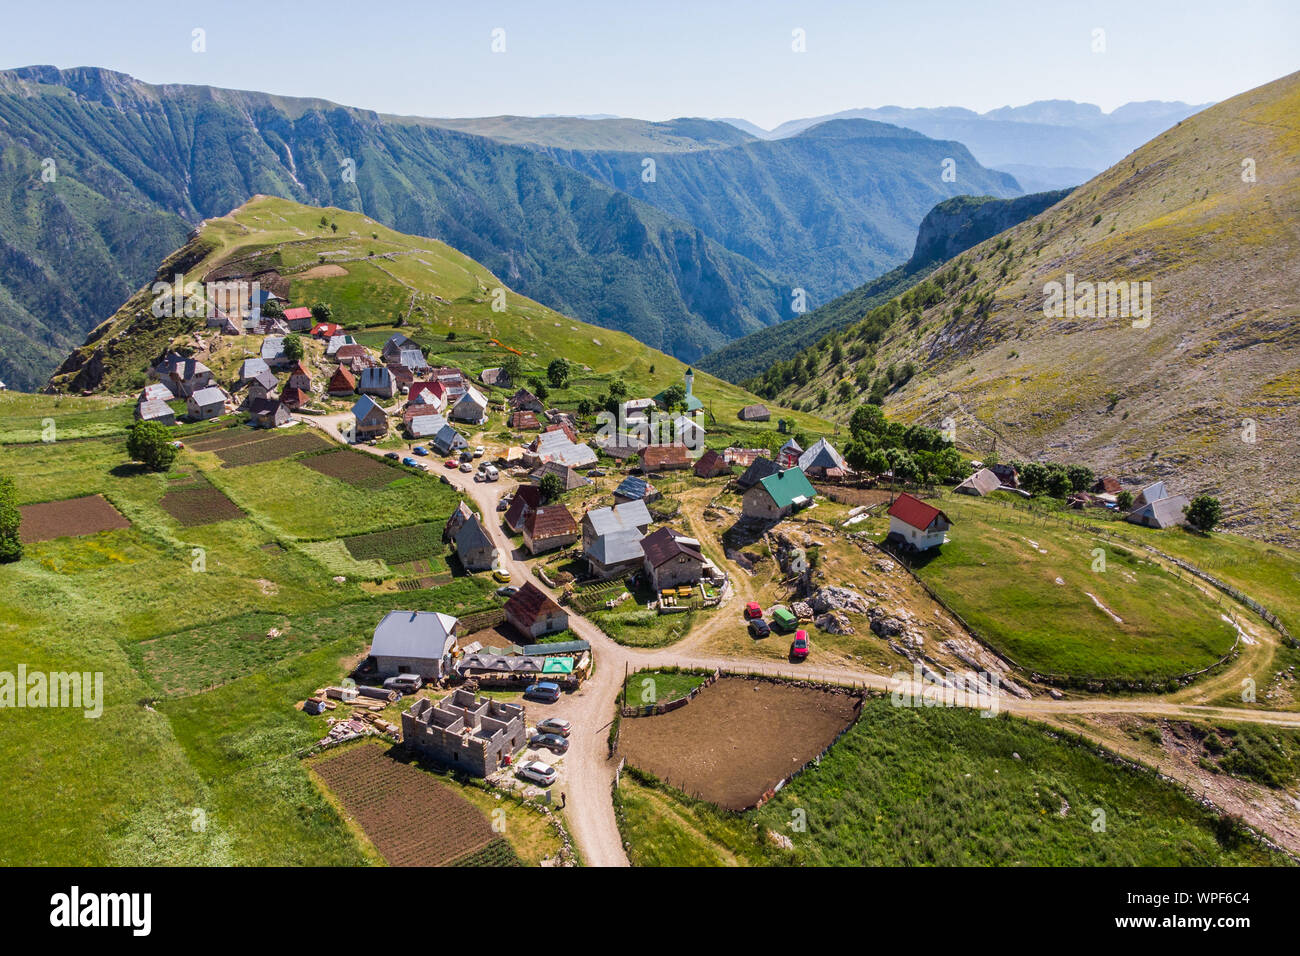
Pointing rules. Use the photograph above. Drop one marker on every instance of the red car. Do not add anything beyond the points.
(799, 646)
(451, 463)
(753, 611)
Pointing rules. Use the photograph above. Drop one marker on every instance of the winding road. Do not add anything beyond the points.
(588, 773)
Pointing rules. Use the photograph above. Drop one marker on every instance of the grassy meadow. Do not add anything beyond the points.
(192, 759)
(942, 787)
(1035, 589)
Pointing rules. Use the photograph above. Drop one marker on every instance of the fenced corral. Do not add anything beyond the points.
(592, 596)
(1113, 529)
(664, 707)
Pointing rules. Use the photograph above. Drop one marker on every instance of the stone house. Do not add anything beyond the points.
(465, 732)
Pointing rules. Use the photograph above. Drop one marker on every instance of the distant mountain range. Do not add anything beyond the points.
(1047, 144)
(101, 175)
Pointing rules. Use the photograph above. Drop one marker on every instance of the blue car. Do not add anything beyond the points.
(545, 692)
(420, 450)
(410, 462)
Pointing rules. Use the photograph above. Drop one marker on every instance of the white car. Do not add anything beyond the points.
(538, 772)
(478, 451)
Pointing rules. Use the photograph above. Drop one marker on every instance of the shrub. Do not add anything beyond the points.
(151, 443)
(11, 546)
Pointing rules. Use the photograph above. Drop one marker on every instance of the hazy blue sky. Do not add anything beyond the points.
(662, 59)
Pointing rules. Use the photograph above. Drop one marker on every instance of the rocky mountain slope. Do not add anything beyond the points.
(1047, 144)
(1201, 389)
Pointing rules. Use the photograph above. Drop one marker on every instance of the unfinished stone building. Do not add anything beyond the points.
(465, 732)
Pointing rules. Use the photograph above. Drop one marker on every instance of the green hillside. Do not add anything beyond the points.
(137, 166)
(951, 227)
(555, 206)
(1203, 396)
(437, 295)
(821, 211)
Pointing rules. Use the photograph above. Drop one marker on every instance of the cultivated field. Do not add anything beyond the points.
(198, 503)
(71, 518)
(354, 468)
(266, 446)
(398, 545)
(411, 818)
(737, 739)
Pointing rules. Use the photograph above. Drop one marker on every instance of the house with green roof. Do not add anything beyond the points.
(778, 495)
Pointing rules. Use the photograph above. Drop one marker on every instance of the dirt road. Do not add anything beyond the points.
(589, 773)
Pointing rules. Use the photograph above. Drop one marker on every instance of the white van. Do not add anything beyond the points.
(492, 473)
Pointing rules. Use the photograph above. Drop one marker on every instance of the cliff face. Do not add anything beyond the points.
(955, 225)
(948, 229)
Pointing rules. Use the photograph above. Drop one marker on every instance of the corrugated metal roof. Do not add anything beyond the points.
(425, 635)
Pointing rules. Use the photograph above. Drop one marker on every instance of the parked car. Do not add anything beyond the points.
(753, 610)
(544, 692)
(799, 646)
(552, 742)
(555, 725)
(501, 574)
(759, 628)
(783, 619)
(450, 463)
(404, 683)
(491, 473)
(595, 472)
(478, 451)
(503, 504)
(537, 772)
(467, 455)
(420, 450)
(466, 467)
(507, 591)
(393, 455)
(410, 462)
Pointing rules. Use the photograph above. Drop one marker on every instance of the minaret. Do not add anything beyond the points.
(690, 382)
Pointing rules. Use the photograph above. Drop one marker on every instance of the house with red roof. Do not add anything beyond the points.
(432, 393)
(294, 398)
(298, 319)
(342, 382)
(300, 377)
(915, 524)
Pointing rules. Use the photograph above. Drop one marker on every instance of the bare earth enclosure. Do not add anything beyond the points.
(738, 738)
(411, 818)
(76, 516)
